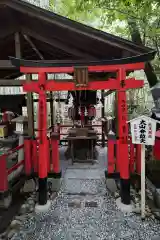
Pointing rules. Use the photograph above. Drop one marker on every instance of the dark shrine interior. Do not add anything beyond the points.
(13, 103)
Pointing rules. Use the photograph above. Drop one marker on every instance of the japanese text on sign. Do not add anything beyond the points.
(143, 130)
(135, 133)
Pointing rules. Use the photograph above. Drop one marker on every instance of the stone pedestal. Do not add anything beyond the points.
(123, 207)
(43, 208)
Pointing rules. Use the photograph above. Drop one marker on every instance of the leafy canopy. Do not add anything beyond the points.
(115, 16)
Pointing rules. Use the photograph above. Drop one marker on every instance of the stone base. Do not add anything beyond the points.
(111, 185)
(30, 186)
(6, 201)
(42, 208)
(54, 184)
(123, 207)
(156, 198)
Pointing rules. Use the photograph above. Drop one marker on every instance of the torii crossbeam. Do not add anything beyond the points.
(82, 82)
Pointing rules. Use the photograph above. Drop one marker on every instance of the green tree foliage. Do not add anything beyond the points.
(136, 20)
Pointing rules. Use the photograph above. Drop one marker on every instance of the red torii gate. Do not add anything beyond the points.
(121, 84)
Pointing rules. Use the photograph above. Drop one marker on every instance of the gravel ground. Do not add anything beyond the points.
(85, 210)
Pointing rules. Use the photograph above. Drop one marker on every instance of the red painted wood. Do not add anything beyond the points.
(42, 129)
(158, 134)
(9, 152)
(5, 117)
(34, 155)
(122, 118)
(70, 86)
(42, 85)
(49, 155)
(106, 68)
(52, 85)
(118, 157)
(156, 149)
(133, 83)
(12, 169)
(3, 174)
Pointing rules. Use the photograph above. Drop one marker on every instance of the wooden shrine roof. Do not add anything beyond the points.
(45, 35)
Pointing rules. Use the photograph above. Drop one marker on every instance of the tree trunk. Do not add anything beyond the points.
(136, 38)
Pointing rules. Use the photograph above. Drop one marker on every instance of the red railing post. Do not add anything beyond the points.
(49, 155)
(55, 155)
(156, 147)
(3, 174)
(117, 156)
(110, 153)
(122, 134)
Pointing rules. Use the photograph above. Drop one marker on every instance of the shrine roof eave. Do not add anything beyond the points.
(33, 18)
(71, 63)
(45, 35)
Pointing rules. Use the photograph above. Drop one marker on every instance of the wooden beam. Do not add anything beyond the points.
(17, 45)
(58, 44)
(30, 109)
(36, 100)
(126, 53)
(6, 64)
(7, 30)
(11, 82)
(75, 29)
(33, 46)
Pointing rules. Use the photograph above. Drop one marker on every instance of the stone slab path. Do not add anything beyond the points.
(85, 210)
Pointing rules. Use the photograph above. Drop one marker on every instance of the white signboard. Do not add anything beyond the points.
(143, 130)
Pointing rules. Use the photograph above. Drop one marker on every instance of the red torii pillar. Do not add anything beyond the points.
(122, 136)
(43, 140)
(120, 84)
